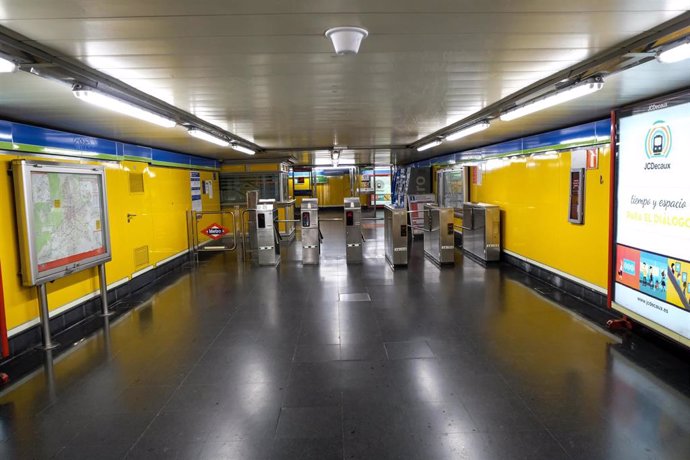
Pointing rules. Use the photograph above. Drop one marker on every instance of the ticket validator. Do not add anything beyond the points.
(267, 237)
(352, 216)
(311, 234)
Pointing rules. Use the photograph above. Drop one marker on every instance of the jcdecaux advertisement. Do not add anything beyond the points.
(652, 238)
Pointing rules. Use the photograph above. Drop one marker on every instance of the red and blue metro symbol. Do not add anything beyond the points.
(215, 231)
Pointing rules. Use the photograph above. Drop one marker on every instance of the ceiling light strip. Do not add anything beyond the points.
(675, 54)
(464, 132)
(553, 99)
(208, 137)
(29, 54)
(118, 105)
(7, 66)
(429, 145)
(243, 149)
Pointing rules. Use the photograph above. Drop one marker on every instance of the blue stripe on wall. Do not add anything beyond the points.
(89, 146)
(32, 135)
(594, 132)
(5, 131)
(136, 151)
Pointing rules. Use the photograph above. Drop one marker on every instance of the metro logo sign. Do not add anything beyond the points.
(215, 231)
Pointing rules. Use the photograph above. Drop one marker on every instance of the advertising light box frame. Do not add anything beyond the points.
(32, 275)
(645, 282)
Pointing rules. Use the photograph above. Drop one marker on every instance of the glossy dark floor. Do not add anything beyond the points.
(234, 361)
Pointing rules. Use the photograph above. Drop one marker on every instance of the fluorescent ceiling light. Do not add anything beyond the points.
(467, 131)
(428, 145)
(675, 54)
(120, 106)
(208, 137)
(7, 66)
(243, 149)
(551, 100)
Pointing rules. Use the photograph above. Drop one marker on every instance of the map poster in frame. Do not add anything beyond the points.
(62, 218)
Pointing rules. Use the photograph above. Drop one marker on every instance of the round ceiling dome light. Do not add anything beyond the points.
(346, 40)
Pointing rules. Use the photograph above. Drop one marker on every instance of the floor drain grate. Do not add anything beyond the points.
(355, 297)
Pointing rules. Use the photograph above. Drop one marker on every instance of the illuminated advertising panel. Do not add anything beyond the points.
(652, 237)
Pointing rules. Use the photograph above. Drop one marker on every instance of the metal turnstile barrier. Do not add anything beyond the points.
(252, 202)
(311, 233)
(267, 236)
(286, 220)
(354, 238)
(439, 236)
(209, 231)
(397, 238)
(481, 235)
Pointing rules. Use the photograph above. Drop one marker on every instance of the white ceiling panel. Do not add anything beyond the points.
(264, 71)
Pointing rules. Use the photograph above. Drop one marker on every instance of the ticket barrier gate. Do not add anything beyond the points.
(353, 230)
(397, 238)
(311, 233)
(481, 234)
(263, 231)
(439, 236)
(252, 202)
(267, 237)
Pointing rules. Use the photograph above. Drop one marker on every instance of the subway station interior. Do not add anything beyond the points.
(373, 229)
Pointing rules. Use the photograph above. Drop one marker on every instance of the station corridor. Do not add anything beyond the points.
(228, 360)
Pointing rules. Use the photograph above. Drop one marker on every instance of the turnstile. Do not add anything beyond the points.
(353, 230)
(252, 202)
(396, 236)
(439, 236)
(267, 237)
(481, 231)
(311, 234)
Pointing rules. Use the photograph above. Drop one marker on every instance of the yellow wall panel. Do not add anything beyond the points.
(533, 193)
(333, 192)
(263, 167)
(159, 223)
(233, 168)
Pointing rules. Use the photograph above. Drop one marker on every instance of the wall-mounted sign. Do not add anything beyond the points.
(477, 175)
(652, 217)
(593, 158)
(576, 205)
(419, 181)
(195, 186)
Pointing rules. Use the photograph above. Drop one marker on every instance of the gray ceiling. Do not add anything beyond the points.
(263, 70)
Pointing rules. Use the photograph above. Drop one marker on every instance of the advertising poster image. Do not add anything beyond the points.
(652, 239)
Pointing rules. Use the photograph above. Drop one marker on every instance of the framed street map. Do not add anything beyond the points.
(62, 217)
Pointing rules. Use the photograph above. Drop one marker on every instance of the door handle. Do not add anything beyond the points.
(130, 217)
